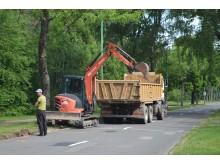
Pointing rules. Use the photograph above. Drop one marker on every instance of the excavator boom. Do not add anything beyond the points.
(92, 70)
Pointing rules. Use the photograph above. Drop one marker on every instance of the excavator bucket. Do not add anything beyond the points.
(142, 67)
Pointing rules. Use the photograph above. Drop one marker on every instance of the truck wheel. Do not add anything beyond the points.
(107, 120)
(160, 114)
(145, 119)
(145, 115)
(150, 114)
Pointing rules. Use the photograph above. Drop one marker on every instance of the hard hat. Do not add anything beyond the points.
(39, 91)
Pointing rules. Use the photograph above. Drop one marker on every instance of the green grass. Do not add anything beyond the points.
(187, 104)
(17, 127)
(12, 118)
(13, 128)
(203, 140)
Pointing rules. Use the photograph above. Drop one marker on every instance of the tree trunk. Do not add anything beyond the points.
(193, 98)
(209, 92)
(45, 78)
(196, 98)
(182, 93)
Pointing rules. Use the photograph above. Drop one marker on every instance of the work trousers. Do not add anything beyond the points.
(41, 121)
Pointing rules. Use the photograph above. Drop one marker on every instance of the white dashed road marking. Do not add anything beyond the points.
(126, 128)
(146, 138)
(74, 144)
(169, 133)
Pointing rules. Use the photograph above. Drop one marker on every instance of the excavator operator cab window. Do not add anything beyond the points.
(73, 86)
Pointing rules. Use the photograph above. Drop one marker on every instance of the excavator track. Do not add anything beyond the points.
(55, 118)
(87, 122)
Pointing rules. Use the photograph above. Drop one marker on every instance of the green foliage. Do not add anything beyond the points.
(74, 41)
(15, 65)
(174, 95)
(114, 69)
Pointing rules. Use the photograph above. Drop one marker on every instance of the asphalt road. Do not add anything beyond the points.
(156, 138)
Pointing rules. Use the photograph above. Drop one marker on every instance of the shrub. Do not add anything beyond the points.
(174, 95)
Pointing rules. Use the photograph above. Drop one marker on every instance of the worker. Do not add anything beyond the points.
(41, 115)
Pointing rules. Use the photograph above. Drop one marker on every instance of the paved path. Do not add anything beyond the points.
(17, 121)
(156, 138)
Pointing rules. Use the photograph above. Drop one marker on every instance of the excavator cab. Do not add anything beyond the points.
(72, 98)
(73, 85)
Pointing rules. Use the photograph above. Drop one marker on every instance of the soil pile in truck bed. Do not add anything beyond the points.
(151, 77)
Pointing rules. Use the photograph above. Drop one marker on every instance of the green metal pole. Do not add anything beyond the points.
(101, 69)
(166, 95)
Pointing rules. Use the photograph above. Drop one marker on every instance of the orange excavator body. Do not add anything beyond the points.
(67, 105)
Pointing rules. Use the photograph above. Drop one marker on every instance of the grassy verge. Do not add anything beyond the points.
(30, 126)
(203, 140)
(187, 104)
(13, 128)
(12, 118)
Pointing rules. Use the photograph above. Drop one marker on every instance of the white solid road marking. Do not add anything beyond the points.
(126, 128)
(74, 144)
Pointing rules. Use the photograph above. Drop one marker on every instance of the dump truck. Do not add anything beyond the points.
(77, 101)
(135, 98)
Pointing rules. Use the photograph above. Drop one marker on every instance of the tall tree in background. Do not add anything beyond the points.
(44, 75)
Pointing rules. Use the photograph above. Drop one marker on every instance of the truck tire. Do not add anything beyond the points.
(160, 114)
(150, 114)
(145, 119)
(107, 120)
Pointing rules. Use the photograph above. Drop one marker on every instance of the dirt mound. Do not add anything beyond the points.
(23, 132)
(151, 77)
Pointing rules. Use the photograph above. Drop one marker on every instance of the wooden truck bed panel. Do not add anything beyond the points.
(150, 92)
(127, 91)
(134, 88)
(117, 90)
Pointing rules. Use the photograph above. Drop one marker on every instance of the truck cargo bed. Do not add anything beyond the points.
(122, 91)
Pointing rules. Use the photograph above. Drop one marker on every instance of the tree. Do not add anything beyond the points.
(44, 75)
(15, 63)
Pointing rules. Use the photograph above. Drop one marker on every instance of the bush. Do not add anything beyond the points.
(174, 95)
(28, 109)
